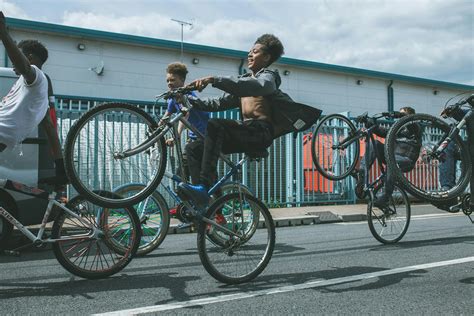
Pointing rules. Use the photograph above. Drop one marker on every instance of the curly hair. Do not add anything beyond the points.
(272, 45)
(178, 69)
(35, 48)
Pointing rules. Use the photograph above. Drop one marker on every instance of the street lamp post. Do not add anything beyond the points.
(183, 23)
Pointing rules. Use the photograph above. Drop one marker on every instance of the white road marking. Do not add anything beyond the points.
(414, 217)
(284, 289)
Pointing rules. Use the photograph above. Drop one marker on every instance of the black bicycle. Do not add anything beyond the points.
(335, 149)
(437, 137)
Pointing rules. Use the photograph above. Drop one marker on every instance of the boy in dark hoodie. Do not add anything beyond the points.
(267, 113)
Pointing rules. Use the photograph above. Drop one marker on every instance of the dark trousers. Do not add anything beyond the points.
(372, 153)
(229, 136)
(470, 143)
(194, 150)
(447, 169)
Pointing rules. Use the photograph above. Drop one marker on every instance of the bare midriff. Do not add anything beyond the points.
(256, 108)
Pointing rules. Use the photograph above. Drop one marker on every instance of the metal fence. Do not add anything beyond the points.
(286, 178)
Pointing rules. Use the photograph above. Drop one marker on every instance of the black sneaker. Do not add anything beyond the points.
(380, 203)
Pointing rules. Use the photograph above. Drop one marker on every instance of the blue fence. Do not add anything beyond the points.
(286, 178)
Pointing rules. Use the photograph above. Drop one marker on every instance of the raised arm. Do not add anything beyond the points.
(223, 103)
(21, 63)
(265, 83)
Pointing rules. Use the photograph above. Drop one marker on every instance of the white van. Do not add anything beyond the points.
(26, 164)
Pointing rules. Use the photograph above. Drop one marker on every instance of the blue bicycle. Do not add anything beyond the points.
(235, 233)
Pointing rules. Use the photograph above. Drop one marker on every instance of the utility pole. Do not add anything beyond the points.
(183, 23)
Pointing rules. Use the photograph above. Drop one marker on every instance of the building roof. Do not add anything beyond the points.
(203, 49)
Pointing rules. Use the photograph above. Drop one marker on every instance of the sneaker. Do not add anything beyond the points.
(381, 203)
(220, 219)
(359, 187)
(184, 225)
(195, 193)
(173, 211)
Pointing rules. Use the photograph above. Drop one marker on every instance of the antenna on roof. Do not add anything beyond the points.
(183, 23)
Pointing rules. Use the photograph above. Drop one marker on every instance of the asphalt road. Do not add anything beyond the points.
(324, 269)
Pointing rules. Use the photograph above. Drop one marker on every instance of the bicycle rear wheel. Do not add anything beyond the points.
(90, 149)
(335, 157)
(154, 218)
(95, 256)
(237, 259)
(390, 225)
(424, 181)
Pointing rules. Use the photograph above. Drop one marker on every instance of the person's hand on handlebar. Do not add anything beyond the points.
(169, 142)
(201, 84)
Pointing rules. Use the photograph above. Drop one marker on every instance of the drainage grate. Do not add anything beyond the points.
(326, 217)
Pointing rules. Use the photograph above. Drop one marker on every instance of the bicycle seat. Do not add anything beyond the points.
(257, 154)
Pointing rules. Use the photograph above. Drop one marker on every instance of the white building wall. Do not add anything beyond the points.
(135, 72)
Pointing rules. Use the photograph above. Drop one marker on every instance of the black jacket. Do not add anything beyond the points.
(408, 142)
(287, 115)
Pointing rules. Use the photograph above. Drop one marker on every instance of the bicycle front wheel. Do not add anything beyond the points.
(246, 245)
(334, 147)
(154, 217)
(427, 179)
(91, 149)
(389, 225)
(88, 246)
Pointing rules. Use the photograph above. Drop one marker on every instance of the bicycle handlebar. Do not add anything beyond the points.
(175, 92)
(453, 109)
(364, 118)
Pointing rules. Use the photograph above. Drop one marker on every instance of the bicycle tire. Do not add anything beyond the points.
(389, 227)
(238, 260)
(426, 187)
(153, 213)
(89, 153)
(327, 134)
(95, 257)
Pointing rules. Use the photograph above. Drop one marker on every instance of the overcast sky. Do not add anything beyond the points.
(423, 38)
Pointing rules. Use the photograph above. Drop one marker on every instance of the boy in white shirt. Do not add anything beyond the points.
(27, 105)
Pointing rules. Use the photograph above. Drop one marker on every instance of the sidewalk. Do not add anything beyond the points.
(305, 215)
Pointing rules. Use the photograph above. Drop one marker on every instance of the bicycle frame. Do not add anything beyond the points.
(369, 139)
(455, 129)
(171, 125)
(52, 202)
